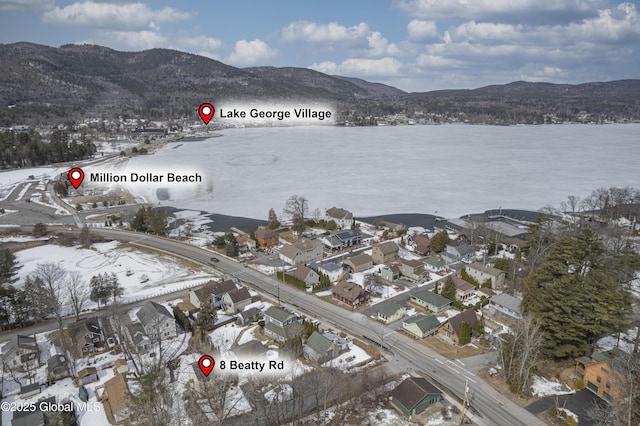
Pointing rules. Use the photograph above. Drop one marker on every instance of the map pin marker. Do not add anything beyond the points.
(76, 176)
(206, 364)
(206, 112)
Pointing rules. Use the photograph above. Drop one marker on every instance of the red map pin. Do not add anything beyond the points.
(206, 112)
(76, 176)
(206, 364)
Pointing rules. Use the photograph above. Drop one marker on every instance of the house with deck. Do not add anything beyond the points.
(350, 294)
(343, 218)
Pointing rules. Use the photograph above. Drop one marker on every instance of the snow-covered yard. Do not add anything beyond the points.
(164, 273)
(545, 387)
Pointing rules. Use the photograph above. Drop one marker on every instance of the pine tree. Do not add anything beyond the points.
(449, 289)
(439, 241)
(273, 220)
(206, 317)
(8, 268)
(575, 296)
(465, 333)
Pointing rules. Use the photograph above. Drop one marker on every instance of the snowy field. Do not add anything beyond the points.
(164, 273)
(451, 169)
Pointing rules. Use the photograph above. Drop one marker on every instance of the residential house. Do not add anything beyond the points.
(57, 367)
(320, 348)
(21, 351)
(29, 418)
(211, 291)
(301, 253)
(414, 395)
(481, 273)
(464, 290)
(157, 321)
(342, 239)
(599, 375)
(350, 293)
(358, 263)
(197, 379)
(249, 316)
(390, 311)
(342, 218)
(450, 329)
(420, 243)
(333, 270)
(413, 269)
(235, 300)
(116, 397)
(456, 251)
(385, 252)
(486, 292)
(280, 324)
(421, 325)
(121, 366)
(429, 300)
(267, 237)
(433, 264)
(87, 336)
(505, 304)
(87, 375)
(245, 244)
(306, 275)
(390, 272)
(138, 338)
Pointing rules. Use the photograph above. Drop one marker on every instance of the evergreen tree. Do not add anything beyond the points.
(8, 268)
(138, 222)
(465, 333)
(449, 289)
(439, 241)
(181, 319)
(575, 296)
(207, 316)
(273, 220)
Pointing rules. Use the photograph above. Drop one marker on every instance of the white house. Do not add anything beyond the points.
(342, 218)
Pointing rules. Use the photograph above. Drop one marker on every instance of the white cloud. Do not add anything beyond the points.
(423, 31)
(129, 40)
(380, 46)
(499, 10)
(202, 43)
(132, 16)
(361, 67)
(27, 5)
(310, 32)
(255, 52)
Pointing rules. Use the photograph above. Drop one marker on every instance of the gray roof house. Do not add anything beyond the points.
(319, 349)
(414, 395)
(343, 218)
(481, 273)
(138, 337)
(506, 304)
(421, 325)
(57, 367)
(235, 300)
(458, 251)
(343, 239)
(157, 321)
(306, 275)
(301, 253)
(280, 324)
(428, 299)
(211, 291)
(390, 311)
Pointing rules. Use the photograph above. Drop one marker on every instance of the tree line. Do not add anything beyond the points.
(29, 149)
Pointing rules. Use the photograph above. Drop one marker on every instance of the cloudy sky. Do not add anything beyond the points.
(416, 45)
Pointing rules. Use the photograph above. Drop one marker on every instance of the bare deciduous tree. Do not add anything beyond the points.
(519, 353)
(297, 207)
(52, 276)
(77, 291)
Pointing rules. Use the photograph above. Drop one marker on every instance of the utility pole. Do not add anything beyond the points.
(464, 401)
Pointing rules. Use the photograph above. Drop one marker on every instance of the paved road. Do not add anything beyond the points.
(493, 407)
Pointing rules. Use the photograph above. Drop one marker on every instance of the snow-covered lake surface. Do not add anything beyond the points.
(448, 169)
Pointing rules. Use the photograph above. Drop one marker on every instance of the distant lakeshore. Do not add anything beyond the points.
(222, 223)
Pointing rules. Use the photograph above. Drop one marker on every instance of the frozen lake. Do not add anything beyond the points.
(448, 169)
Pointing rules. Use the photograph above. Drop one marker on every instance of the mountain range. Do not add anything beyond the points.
(46, 85)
